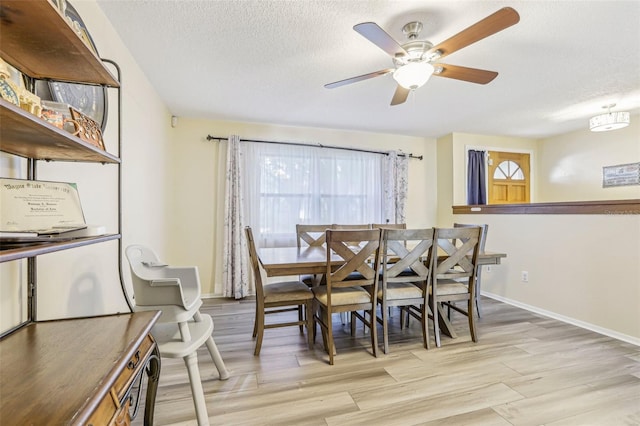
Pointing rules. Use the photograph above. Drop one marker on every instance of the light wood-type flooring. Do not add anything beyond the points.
(525, 370)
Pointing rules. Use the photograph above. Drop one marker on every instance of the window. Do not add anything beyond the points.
(288, 184)
(508, 170)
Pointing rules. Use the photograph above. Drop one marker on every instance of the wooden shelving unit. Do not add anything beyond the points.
(108, 354)
(38, 40)
(15, 252)
(28, 136)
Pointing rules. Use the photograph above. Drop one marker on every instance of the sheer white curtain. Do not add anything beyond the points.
(271, 187)
(288, 184)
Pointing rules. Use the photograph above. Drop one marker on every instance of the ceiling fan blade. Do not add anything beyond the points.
(503, 18)
(376, 35)
(400, 96)
(358, 78)
(472, 75)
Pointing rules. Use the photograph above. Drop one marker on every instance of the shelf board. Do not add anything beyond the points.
(38, 40)
(38, 249)
(25, 135)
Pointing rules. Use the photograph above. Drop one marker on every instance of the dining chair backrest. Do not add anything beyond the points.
(457, 250)
(351, 226)
(484, 228)
(406, 254)
(454, 273)
(389, 225)
(406, 258)
(362, 261)
(311, 235)
(259, 273)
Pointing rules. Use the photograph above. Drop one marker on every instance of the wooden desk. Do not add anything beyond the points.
(284, 261)
(77, 371)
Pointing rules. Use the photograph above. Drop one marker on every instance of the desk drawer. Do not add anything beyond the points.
(135, 365)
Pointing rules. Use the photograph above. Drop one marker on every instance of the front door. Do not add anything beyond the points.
(508, 178)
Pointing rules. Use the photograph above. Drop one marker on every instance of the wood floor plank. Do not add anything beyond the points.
(624, 412)
(435, 407)
(578, 374)
(557, 405)
(484, 417)
(305, 411)
(524, 370)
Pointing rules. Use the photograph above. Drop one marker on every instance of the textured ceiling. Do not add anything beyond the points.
(267, 62)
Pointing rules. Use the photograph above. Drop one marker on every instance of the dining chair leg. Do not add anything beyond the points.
(472, 323)
(373, 330)
(255, 323)
(308, 311)
(478, 277)
(329, 344)
(425, 326)
(260, 331)
(300, 318)
(321, 318)
(436, 322)
(385, 332)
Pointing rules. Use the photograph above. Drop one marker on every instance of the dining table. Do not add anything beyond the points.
(312, 260)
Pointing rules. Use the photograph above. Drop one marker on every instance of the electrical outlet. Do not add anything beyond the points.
(525, 276)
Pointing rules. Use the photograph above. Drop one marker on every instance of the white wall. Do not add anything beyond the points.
(570, 165)
(461, 141)
(196, 191)
(583, 269)
(85, 281)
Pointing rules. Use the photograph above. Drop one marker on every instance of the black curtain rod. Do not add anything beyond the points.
(402, 154)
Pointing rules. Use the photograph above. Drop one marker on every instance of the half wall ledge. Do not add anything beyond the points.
(606, 207)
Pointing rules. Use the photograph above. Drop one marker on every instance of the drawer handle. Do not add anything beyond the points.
(133, 364)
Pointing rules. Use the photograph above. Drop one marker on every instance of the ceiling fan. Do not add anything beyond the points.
(417, 60)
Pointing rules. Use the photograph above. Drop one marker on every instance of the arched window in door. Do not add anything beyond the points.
(508, 170)
(508, 178)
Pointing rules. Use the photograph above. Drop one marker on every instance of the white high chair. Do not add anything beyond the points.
(181, 329)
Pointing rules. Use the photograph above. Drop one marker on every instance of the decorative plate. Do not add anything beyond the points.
(89, 100)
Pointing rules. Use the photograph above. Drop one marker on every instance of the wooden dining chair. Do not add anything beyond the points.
(343, 292)
(311, 235)
(454, 273)
(277, 297)
(405, 277)
(484, 228)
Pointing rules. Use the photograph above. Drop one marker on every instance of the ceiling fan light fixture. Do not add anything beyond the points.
(609, 120)
(413, 75)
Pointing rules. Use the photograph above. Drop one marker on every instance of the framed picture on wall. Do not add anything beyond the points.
(621, 175)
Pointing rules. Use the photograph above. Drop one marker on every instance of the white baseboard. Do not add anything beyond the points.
(568, 320)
